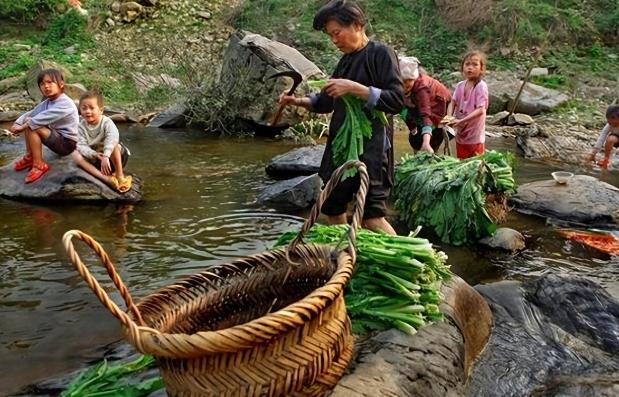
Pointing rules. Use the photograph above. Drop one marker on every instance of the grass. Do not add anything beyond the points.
(583, 40)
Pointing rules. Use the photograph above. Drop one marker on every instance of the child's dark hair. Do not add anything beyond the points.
(92, 94)
(343, 12)
(612, 112)
(475, 53)
(54, 74)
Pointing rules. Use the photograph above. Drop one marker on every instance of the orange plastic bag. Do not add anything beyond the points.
(602, 242)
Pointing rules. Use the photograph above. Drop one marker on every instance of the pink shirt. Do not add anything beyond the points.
(472, 131)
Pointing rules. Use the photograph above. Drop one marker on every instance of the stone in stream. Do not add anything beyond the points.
(64, 181)
(300, 161)
(553, 336)
(583, 201)
(565, 149)
(292, 194)
(505, 238)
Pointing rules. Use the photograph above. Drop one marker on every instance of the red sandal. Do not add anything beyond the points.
(23, 163)
(36, 172)
(603, 163)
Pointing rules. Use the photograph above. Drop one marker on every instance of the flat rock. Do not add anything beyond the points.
(553, 336)
(583, 201)
(292, 194)
(64, 181)
(172, 117)
(10, 115)
(555, 148)
(301, 161)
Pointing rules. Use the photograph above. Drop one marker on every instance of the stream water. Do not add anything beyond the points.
(198, 210)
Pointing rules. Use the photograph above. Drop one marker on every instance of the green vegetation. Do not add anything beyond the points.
(580, 38)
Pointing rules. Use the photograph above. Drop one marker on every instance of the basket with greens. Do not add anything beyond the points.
(460, 200)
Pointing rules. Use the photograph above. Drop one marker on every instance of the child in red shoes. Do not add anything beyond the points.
(53, 123)
(609, 137)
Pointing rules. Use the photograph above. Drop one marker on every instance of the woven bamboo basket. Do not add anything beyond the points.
(270, 324)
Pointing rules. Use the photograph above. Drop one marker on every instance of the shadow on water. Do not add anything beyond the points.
(198, 210)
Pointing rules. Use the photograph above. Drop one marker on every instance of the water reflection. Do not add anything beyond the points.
(198, 210)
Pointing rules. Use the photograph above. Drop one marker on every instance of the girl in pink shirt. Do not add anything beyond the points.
(468, 106)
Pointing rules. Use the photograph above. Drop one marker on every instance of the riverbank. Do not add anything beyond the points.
(157, 53)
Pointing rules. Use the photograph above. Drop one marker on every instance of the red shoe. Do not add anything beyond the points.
(36, 172)
(23, 163)
(603, 163)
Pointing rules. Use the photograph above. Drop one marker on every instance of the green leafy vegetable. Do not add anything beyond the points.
(397, 279)
(103, 380)
(348, 141)
(449, 195)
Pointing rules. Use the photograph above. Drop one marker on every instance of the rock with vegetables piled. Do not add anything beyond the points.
(397, 280)
(460, 200)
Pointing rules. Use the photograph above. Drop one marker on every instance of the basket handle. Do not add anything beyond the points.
(325, 193)
(94, 284)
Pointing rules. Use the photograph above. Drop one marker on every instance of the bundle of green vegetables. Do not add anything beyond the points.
(104, 380)
(449, 195)
(348, 141)
(397, 279)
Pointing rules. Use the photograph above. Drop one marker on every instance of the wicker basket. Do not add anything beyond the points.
(271, 324)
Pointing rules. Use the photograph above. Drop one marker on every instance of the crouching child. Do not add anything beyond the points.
(99, 151)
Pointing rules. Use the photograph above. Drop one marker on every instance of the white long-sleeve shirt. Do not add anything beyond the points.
(94, 137)
(607, 130)
(59, 115)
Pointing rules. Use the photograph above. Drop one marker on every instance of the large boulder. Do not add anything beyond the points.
(435, 362)
(503, 88)
(64, 181)
(553, 336)
(583, 201)
(301, 161)
(248, 62)
(172, 117)
(292, 194)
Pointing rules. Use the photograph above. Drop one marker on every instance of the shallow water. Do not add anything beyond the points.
(198, 210)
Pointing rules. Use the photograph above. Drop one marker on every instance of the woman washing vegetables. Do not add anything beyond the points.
(366, 78)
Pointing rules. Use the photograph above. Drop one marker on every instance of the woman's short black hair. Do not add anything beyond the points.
(612, 112)
(343, 12)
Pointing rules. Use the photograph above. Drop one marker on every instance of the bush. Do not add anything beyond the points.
(26, 10)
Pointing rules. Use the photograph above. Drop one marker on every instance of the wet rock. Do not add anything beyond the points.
(302, 161)
(247, 63)
(65, 181)
(292, 194)
(506, 239)
(553, 335)
(435, 362)
(583, 201)
(172, 117)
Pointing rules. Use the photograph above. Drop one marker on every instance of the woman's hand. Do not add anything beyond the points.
(339, 87)
(285, 99)
(426, 148)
